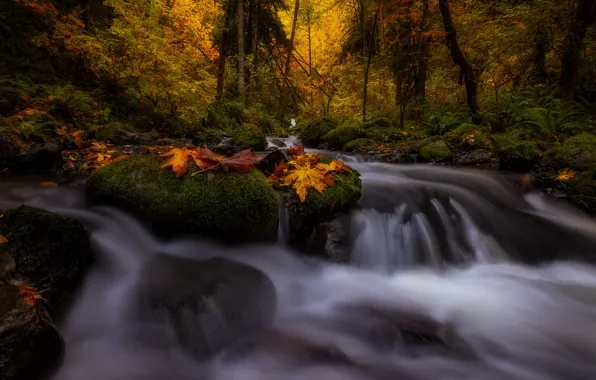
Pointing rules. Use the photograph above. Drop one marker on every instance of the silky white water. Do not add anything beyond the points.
(452, 275)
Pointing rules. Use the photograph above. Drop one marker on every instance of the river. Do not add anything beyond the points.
(453, 274)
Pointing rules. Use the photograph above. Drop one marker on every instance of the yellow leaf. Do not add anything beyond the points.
(178, 160)
(3, 239)
(565, 174)
(103, 157)
(49, 184)
(305, 178)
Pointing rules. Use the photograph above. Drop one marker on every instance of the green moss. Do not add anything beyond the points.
(519, 155)
(250, 136)
(436, 151)
(358, 144)
(470, 137)
(229, 206)
(51, 250)
(377, 123)
(578, 152)
(342, 135)
(312, 133)
(386, 134)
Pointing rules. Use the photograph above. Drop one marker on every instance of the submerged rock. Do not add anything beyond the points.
(268, 164)
(38, 157)
(210, 304)
(232, 207)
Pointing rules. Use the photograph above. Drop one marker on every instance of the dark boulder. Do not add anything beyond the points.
(278, 143)
(50, 251)
(123, 137)
(479, 157)
(30, 344)
(37, 157)
(210, 304)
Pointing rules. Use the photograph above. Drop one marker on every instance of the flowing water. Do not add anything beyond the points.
(454, 274)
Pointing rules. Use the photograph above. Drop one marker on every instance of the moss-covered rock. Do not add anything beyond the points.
(383, 134)
(340, 136)
(577, 153)
(30, 344)
(468, 137)
(232, 207)
(312, 133)
(378, 123)
(250, 136)
(436, 151)
(49, 250)
(517, 155)
(319, 207)
(358, 145)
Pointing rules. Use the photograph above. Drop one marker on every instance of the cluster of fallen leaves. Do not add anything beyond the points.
(306, 171)
(28, 294)
(565, 174)
(205, 160)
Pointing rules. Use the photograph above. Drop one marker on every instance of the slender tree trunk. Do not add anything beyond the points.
(240, 27)
(538, 58)
(286, 72)
(459, 58)
(367, 68)
(585, 15)
(223, 50)
(255, 40)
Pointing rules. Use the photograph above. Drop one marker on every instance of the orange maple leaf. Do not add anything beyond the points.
(304, 178)
(296, 150)
(280, 171)
(3, 239)
(565, 174)
(30, 295)
(49, 184)
(205, 159)
(178, 160)
(336, 166)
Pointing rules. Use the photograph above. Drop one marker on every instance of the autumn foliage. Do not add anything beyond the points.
(205, 159)
(306, 171)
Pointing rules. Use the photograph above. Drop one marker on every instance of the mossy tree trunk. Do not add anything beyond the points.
(240, 28)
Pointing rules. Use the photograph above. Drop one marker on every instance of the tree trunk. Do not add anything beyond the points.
(240, 27)
(367, 69)
(538, 58)
(223, 50)
(459, 58)
(286, 72)
(585, 15)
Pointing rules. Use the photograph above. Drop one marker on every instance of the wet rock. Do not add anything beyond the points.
(437, 151)
(397, 158)
(210, 303)
(480, 157)
(278, 143)
(268, 164)
(37, 157)
(122, 137)
(328, 240)
(50, 251)
(145, 138)
(227, 147)
(30, 344)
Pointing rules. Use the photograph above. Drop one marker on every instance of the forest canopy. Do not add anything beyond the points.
(182, 67)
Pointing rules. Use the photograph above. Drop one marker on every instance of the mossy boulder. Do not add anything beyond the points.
(577, 153)
(225, 115)
(250, 136)
(313, 132)
(516, 155)
(468, 137)
(378, 123)
(436, 151)
(384, 134)
(320, 207)
(48, 250)
(30, 344)
(340, 136)
(232, 207)
(361, 144)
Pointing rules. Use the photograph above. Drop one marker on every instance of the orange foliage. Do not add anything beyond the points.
(205, 159)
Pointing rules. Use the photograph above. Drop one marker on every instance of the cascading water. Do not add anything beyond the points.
(456, 275)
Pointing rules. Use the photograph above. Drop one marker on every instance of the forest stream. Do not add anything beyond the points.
(453, 274)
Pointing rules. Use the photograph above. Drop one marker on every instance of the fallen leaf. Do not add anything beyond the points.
(178, 160)
(241, 162)
(305, 178)
(279, 172)
(565, 174)
(103, 157)
(49, 184)
(336, 166)
(296, 150)
(30, 295)
(3, 239)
